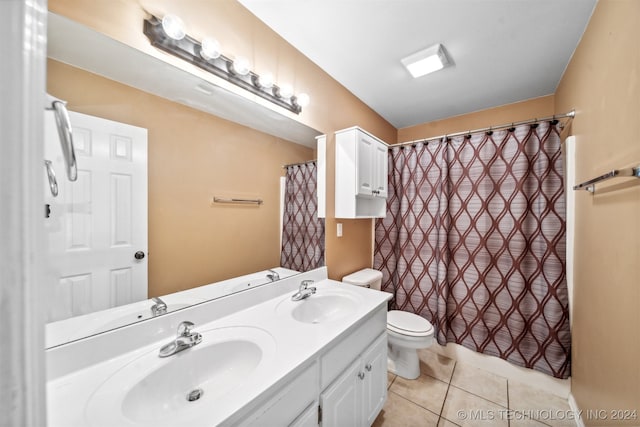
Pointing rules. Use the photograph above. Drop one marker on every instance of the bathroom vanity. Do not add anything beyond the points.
(263, 359)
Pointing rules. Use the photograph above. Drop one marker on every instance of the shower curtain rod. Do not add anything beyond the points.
(298, 164)
(570, 115)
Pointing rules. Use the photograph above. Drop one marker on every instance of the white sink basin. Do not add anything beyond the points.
(155, 391)
(323, 306)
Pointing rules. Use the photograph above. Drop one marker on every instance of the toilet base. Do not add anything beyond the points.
(403, 362)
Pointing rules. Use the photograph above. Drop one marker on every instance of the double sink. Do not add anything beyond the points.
(183, 388)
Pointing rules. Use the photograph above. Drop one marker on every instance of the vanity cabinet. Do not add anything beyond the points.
(345, 385)
(358, 394)
(296, 403)
(361, 175)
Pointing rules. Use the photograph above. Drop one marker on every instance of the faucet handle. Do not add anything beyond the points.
(184, 328)
(305, 284)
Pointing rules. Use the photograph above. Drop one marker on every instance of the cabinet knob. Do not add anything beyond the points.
(361, 375)
(368, 367)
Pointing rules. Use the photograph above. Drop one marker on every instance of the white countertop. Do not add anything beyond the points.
(296, 344)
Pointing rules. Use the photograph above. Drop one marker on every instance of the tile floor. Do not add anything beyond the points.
(450, 394)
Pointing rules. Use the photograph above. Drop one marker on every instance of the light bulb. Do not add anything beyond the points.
(173, 27)
(265, 81)
(303, 100)
(210, 48)
(241, 65)
(285, 91)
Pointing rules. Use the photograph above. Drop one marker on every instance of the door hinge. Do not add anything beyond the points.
(319, 414)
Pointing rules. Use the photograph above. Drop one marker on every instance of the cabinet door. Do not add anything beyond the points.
(381, 169)
(341, 401)
(365, 164)
(374, 393)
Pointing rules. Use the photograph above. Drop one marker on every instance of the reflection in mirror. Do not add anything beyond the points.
(195, 247)
(82, 326)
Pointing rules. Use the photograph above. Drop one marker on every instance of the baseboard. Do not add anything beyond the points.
(576, 410)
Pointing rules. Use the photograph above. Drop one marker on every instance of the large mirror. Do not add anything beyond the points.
(200, 143)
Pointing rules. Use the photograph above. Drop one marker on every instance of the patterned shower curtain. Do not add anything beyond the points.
(303, 231)
(474, 241)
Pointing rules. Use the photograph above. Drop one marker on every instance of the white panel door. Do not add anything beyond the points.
(97, 223)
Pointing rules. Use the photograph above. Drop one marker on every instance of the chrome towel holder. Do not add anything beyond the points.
(590, 185)
(239, 201)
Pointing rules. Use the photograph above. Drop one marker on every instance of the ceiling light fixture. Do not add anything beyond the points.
(168, 34)
(426, 61)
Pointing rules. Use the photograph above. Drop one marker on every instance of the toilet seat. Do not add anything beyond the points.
(408, 324)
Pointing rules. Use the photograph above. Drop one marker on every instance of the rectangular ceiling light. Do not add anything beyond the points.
(426, 61)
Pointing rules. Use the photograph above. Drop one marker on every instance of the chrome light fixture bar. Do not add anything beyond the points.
(189, 49)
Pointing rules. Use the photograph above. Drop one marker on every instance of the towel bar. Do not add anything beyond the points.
(241, 201)
(590, 185)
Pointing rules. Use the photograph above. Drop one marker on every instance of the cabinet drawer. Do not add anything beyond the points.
(349, 348)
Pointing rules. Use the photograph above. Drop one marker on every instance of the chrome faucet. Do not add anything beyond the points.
(304, 291)
(185, 339)
(160, 307)
(273, 276)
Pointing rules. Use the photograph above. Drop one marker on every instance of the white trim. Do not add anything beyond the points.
(23, 67)
(283, 190)
(573, 404)
(321, 176)
(570, 179)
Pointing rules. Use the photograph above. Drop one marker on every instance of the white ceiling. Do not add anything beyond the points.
(502, 51)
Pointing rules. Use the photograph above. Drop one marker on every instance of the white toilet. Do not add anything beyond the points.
(406, 332)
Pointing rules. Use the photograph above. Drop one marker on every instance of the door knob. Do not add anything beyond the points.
(139, 255)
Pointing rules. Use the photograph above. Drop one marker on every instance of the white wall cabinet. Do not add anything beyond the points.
(357, 396)
(361, 175)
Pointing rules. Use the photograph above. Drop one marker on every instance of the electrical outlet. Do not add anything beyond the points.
(339, 229)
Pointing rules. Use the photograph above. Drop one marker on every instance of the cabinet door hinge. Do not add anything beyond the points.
(319, 414)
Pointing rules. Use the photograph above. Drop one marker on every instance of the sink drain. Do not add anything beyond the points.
(195, 395)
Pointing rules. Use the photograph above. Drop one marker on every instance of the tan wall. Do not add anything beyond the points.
(519, 111)
(192, 157)
(602, 83)
(239, 32)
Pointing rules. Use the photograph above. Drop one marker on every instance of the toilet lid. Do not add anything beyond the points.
(405, 323)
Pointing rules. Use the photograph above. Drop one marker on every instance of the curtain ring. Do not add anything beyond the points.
(512, 128)
(490, 131)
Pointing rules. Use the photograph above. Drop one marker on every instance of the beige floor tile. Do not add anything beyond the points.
(399, 412)
(425, 391)
(466, 409)
(518, 419)
(390, 378)
(446, 423)
(540, 405)
(435, 365)
(483, 383)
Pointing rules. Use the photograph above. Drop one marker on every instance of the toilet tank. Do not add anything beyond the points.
(367, 277)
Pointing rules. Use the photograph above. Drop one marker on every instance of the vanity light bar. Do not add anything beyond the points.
(188, 49)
